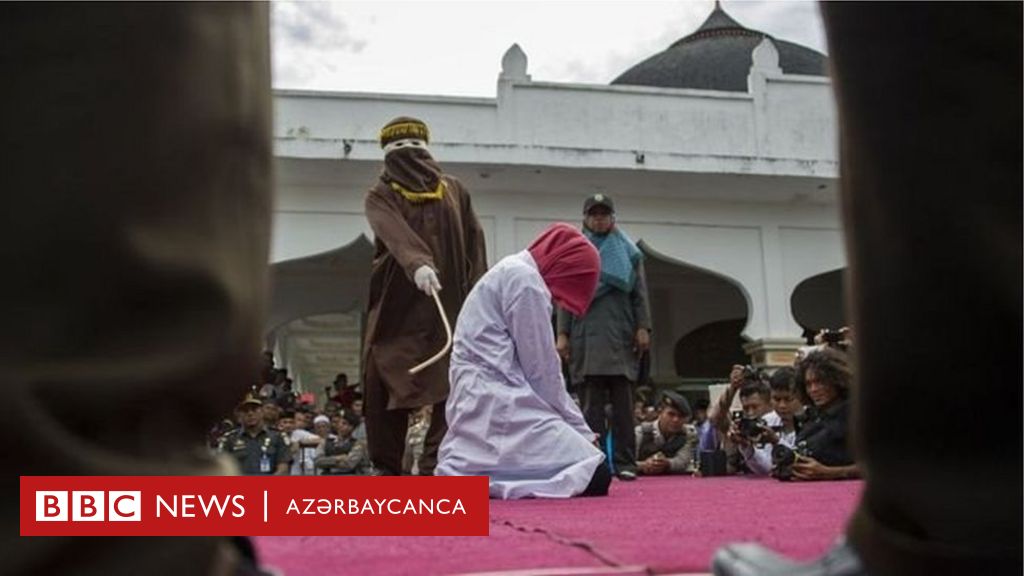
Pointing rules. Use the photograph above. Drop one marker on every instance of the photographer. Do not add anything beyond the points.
(748, 429)
(739, 377)
(823, 381)
(666, 445)
(780, 424)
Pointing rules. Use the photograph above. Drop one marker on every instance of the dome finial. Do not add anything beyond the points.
(718, 5)
(513, 64)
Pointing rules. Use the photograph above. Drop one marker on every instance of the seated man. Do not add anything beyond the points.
(509, 415)
(342, 453)
(666, 445)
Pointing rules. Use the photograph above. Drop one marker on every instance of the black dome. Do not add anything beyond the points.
(717, 57)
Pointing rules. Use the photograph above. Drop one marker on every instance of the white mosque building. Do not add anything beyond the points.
(720, 153)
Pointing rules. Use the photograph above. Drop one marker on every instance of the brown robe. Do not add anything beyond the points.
(403, 327)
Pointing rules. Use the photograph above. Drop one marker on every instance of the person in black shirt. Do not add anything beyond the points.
(823, 382)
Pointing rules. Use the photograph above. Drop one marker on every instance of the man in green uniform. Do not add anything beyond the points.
(259, 450)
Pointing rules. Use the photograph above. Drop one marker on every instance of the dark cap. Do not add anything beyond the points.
(598, 200)
(249, 400)
(677, 401)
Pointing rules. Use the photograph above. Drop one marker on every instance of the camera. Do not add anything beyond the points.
(832, 337)
(751, 373)
(750, 428)
(783, 458)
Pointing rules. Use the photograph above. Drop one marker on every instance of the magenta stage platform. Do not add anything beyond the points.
(669, 525)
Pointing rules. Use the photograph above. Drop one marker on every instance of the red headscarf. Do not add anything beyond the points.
(569, 264)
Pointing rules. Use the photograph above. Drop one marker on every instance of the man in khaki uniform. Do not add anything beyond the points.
(667, 445)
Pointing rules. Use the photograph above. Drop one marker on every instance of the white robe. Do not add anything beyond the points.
(509, 416)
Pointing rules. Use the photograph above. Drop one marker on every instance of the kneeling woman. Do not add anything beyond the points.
(509, 416)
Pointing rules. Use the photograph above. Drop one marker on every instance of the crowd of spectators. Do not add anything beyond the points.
(792, 425)
(276, 430)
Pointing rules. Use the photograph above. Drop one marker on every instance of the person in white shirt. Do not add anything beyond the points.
(303, 443)
(509, 415)
(779, 424)
(755, 397)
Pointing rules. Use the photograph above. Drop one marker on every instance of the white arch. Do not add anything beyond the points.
(731, 252)
(645, 245)
(299, 234)
(809, 252)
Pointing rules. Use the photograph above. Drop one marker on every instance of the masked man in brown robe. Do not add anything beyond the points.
(427, 239)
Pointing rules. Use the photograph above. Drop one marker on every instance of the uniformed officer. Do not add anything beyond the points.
(258, 449)
(666, 446)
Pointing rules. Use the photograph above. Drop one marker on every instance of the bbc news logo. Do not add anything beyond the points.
(253, 505)
(89, 506)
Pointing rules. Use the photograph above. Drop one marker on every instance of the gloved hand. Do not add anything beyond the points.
(426, 280)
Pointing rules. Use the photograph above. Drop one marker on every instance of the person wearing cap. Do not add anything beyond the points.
(667, 445)
(604, 347)
(257, 449)
(427, 240)
(322, 426)
(343, 453)
(510, 416)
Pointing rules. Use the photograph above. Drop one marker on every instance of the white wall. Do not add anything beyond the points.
(786, 126)
(741, 185)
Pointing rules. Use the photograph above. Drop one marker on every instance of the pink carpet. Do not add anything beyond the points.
(651, 526)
